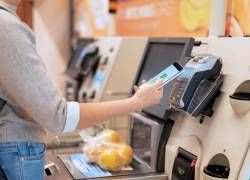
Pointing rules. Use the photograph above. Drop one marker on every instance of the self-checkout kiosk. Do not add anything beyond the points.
(200, 129)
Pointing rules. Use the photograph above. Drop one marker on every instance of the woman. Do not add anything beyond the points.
(34, 104)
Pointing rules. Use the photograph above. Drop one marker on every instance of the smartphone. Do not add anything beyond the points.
(167, 74)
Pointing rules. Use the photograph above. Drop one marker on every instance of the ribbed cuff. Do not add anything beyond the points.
(73, 116)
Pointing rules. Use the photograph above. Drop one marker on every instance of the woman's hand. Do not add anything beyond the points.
(147, 94)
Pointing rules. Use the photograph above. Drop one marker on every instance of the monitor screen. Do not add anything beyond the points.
(159, 57)
(160, 54)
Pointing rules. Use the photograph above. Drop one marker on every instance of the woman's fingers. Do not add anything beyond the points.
(158, 84)
(143, 81)
(136, 88)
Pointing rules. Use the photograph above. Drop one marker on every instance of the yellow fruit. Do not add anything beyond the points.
(110, 136)
(93, 151)
(108, 150)
(109, 159)
(126, 154)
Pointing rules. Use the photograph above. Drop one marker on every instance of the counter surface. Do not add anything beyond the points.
(63, 173)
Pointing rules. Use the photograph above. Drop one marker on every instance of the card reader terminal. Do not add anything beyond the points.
(197, 69)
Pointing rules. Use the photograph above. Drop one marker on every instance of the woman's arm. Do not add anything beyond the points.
(94, 113)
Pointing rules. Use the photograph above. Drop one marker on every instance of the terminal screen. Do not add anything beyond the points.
(159, 57)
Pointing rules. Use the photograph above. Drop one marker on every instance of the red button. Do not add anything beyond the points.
(177, 153)
(193, 163)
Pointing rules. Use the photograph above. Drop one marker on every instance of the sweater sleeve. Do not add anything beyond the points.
(24, 77)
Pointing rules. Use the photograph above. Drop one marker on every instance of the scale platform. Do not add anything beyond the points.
(79, 168)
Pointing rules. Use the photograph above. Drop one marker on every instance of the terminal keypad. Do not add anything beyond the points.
(178, 91)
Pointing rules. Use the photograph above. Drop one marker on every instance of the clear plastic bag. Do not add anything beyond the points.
(108, 150)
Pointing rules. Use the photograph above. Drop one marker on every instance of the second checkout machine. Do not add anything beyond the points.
(106, 70)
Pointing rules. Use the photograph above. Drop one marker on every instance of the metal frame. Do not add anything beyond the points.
(155, 137)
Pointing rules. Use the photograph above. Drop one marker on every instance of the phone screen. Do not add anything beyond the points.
(167, 74)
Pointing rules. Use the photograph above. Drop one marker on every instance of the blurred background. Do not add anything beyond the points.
(59, 24)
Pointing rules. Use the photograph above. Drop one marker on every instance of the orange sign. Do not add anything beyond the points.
(163, 17)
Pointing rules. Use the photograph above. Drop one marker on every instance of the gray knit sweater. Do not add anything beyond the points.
(33, 103)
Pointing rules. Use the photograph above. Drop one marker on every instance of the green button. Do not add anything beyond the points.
(181, 171)
(164, 75)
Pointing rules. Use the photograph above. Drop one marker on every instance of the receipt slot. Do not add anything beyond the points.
(197, 86)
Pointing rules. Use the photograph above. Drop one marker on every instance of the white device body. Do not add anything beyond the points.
(226, 133)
